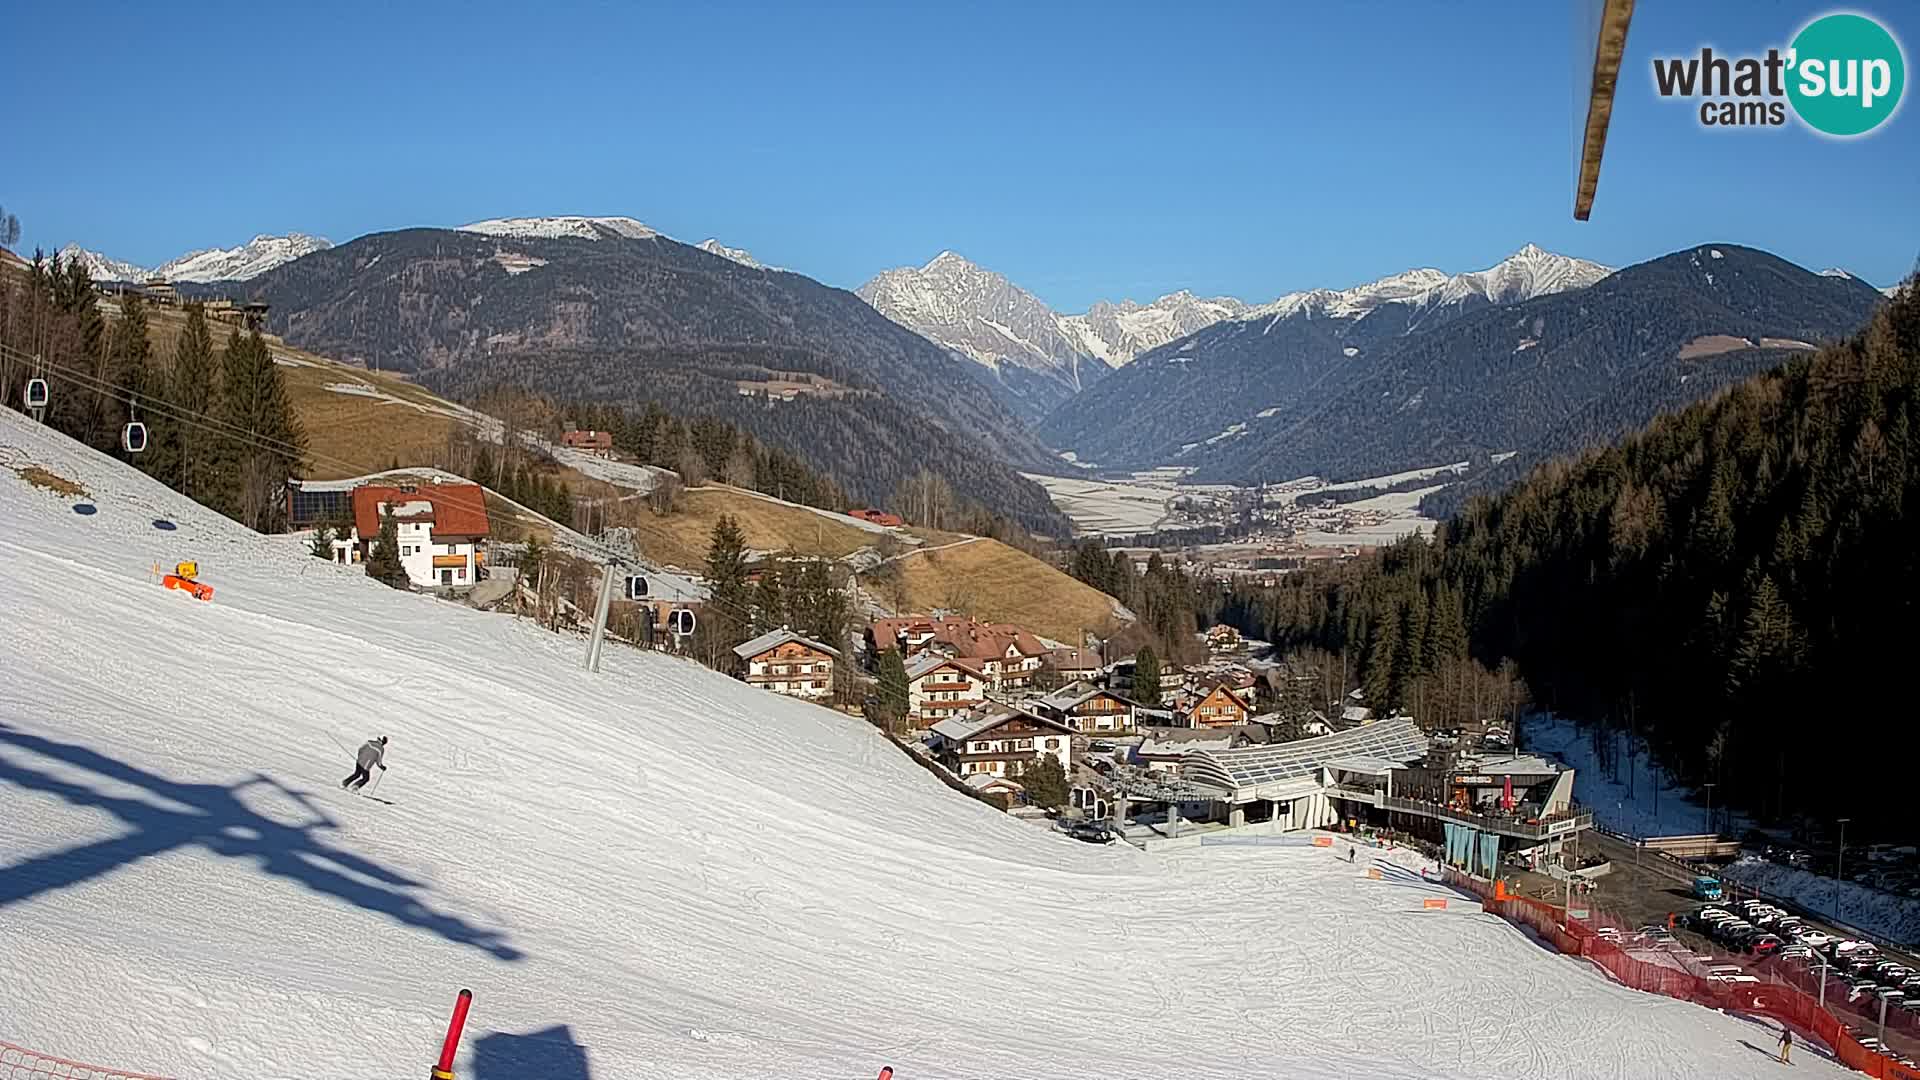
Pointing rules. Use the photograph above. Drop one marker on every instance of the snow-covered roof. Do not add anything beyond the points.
(962, 728)
(1398, 741)
(922, 663)
(776, 638)
(982, 781)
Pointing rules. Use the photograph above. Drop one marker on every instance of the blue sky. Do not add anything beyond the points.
(1085, 150)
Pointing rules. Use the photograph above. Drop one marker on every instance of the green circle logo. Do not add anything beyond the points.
(1847, 74)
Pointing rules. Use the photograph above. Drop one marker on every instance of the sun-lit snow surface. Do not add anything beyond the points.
(695, 879)
(585, 228)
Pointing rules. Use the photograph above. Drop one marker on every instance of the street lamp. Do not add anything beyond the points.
(1709, 786)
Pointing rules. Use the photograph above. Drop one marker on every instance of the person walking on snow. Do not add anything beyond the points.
(1349, 853)
(1786, 1045)
(372, 752)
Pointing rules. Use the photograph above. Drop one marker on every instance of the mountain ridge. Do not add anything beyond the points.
(610, 310)
(242, 263)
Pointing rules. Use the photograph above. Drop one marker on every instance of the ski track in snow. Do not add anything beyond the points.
(697, 879)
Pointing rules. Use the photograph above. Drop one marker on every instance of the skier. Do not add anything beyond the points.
(1349, 854)
(1786, 1045)
(372, 752)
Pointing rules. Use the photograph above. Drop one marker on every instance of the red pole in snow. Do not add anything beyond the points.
(886, 1072)
(444, 1070)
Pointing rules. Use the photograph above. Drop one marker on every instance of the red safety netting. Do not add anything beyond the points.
(1788, 995)
(20, 1063)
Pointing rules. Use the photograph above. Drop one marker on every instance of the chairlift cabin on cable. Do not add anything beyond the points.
(636, 587)
(36, 396)
(680, 621)
(133, 437)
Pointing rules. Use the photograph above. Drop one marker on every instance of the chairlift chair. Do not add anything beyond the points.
(133, 437)
(680, 621)
(36, 397)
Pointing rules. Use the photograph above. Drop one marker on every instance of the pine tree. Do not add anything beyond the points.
(321, 546)
(1379, 677)
(1146, 677)
(728, 597)
(1045, 782)
(383, 562)
(254, 399)
(890, 697)
(769, 600)
(188, 455)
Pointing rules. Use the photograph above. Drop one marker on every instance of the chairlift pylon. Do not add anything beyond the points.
(133, 437)
(36, 396)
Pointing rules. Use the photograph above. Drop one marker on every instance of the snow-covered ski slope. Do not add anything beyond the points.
(652, 872)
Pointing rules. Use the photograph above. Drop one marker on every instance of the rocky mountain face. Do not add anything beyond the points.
(1211, 386)
(1534, 377)
(607, 309)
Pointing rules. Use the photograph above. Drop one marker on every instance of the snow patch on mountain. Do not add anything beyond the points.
(740, 255)
(1116, 333)
(563, 226)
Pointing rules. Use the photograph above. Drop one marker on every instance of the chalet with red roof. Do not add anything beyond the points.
(597, 443)
(1007, 655)
(442, 529)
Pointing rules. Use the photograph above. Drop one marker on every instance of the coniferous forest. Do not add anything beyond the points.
(1735, 584)
(218, 423)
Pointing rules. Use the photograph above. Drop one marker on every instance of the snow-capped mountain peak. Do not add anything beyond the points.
(249, 260)
(740, 255)
(1532, 271)
(101, 267)
(565, 225)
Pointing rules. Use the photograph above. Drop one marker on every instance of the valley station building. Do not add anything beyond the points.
(1485, 809)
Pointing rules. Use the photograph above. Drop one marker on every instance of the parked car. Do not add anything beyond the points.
(1092, 832)
(1814, 938)
(1765, 945)
(1795, 952)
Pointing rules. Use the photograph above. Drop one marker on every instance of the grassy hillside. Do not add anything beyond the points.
(357, 421)
(990, 580)
(681, 538)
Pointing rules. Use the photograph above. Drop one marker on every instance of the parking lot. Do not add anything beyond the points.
(1643, 890)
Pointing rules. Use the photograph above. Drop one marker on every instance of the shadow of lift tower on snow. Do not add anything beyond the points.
(551, 1054)
(175, 815)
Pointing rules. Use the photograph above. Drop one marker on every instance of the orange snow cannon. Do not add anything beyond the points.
(182, 578)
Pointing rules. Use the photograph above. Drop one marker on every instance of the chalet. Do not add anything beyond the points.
(1218, 707)
(1222, 638)
(1007, 655)
(1354, 716)
(161, 291)
(1088, 709)
(1073, 665)
(939, 687)
(442, 531)
(786, 663)
(597, 443)
(1001, 741)
(877, 517)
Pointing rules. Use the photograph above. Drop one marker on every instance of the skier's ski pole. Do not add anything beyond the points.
(377, 779)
